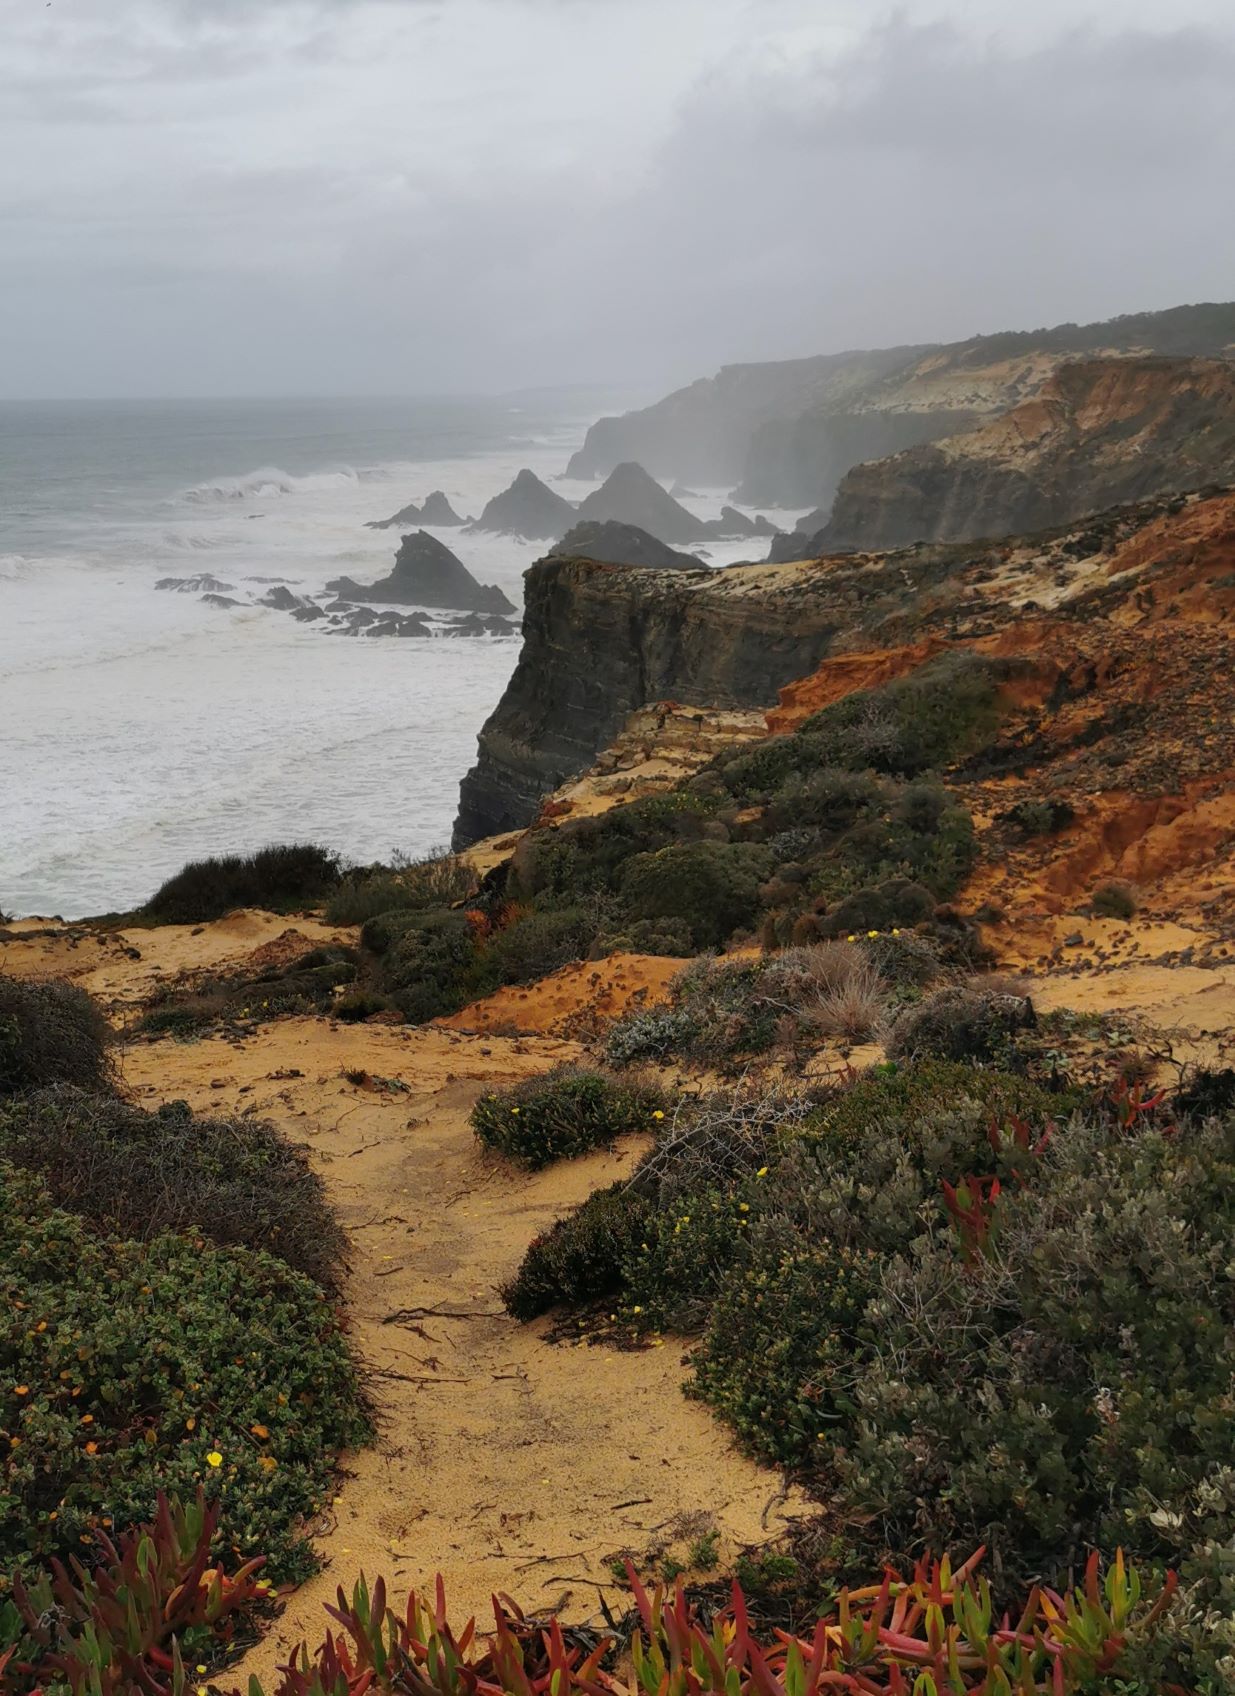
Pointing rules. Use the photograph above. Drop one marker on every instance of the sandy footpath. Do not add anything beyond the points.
(503, 1461)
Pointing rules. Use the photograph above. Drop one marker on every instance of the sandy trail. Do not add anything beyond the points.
(503, 1461)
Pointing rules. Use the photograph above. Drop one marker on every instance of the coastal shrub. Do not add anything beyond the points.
(537, 943)
(688, 1252)
(280, 879)
(435, 880)
(305, 985)
(1072, 1389)
(895, 1101)
(1032, 818)
(563, 1113)
(653, 1035)
(1053, 1382)
(425, 969)
(51, 1033)
(128, 1367)
(133, 1174)
(363, 1004)
(579, 1260)
(711, 886)
(944, 710)
(961, 1023)
(583, 857)
(1114, 900)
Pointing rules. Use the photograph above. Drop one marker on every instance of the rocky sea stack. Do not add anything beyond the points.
(438, 511)
(631, 495)
(427, 574)
(528, 509)
(621, 544)
(406, 515)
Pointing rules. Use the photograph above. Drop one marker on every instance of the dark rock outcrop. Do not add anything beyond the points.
(202, 584)
(1100, 433)
(528, 509)
(406, 515)
(426, 574)
(281, 599)
(438, 511)
(215, 600)
(600, 640)
(621, 544)
(734, 523)
(630, 495)
(480, 624)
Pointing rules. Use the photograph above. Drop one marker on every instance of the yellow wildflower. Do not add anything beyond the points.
(762, 1172)
(657, 1114)
(214, 1458)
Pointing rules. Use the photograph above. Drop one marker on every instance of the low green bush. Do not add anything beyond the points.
(712, 887)
(129, 1367)
(1042, 1367)
(579, 1260)
(280, 879)
(137, 1175)
(563, 1113)
(51, 1033)
(436, 880)
(944, 710)
(1114, 900)
(426, 970)
(962, 1023)
(895, 1101)
(537, 943)
(305, 985)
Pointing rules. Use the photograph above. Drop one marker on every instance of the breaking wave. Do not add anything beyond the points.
(269, 483)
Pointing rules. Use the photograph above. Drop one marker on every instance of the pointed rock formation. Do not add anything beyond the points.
(426, 574)
(630, 495)
(734, 523)
(438, 511)
(528, 509)
(406, 515)
(621, 544)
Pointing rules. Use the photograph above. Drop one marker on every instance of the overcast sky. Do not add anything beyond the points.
(420, 196)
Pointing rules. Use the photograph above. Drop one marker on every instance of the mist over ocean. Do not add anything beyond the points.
(143, 728)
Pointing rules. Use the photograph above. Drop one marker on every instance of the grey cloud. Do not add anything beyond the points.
(406, 195)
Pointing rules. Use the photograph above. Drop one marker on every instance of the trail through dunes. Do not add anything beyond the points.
(503, 1461)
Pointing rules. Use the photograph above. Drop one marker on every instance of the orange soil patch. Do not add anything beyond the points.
(576, 999)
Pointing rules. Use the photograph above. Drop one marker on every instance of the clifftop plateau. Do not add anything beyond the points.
(788, 431)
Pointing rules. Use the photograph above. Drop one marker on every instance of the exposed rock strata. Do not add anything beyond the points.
(1099, 433)
(601, 641)
(790, 430)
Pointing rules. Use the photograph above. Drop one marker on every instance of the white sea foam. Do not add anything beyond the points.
(139, 729)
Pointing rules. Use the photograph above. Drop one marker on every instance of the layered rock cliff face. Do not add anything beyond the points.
(788, 432)
(601, 640)
(1098, 433)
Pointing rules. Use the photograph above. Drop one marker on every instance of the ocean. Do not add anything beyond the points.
(140, 728)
